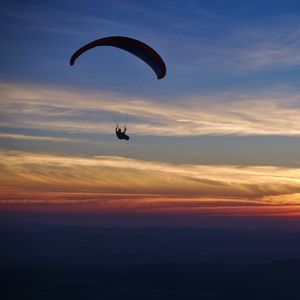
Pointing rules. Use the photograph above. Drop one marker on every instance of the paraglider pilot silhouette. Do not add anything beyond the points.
(121, 135)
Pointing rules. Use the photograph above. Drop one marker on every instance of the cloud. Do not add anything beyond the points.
(36, 138)
(58, 109)
(58, 20)
(117, 183)
(273, 44)
(214, 42)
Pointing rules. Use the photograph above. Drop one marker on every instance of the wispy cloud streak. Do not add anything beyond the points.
(53, 108)
(36, 138)
(270, 45)
(116, 182)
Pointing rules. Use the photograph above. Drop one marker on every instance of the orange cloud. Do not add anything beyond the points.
(117, 184)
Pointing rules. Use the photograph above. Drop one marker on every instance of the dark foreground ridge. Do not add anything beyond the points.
(47, 245)
(277, 280)
(68, 262)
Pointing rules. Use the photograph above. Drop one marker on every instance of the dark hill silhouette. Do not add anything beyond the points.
(276, 280)
(48, 262)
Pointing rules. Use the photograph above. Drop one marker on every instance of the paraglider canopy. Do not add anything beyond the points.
(135, 47)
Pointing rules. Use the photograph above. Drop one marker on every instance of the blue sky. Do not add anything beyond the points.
(209, 46)
(226, 60)
(218, 136)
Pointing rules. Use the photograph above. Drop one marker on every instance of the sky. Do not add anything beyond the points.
(214, 143)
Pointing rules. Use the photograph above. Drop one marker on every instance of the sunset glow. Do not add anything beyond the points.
(219, 135)
(93, 183)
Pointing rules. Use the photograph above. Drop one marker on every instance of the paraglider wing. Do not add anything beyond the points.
(135, 47)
